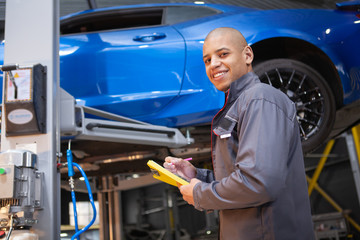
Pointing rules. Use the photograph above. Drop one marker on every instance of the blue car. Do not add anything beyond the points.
(145, 62)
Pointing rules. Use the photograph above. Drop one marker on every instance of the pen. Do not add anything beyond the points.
(186, 159)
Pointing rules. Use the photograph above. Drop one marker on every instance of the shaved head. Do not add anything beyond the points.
(229, 33)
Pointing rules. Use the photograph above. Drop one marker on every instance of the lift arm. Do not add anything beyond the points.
(114, 128)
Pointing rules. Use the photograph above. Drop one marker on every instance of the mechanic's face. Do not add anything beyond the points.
(226, 59)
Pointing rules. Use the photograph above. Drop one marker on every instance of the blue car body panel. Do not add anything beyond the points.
(156, 74)
(114, 72)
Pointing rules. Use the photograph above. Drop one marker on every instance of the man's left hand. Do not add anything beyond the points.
(187, 190)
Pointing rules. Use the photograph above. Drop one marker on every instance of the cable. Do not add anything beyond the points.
(75, 211)
(91, 201)
(71, 173)
(11, 227)
(69, 158)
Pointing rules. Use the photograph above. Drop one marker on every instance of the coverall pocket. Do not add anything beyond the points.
(225, 127)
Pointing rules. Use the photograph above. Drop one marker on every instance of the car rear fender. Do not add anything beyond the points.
(330, 53)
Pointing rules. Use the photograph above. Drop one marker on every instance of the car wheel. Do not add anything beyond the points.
(315, 103)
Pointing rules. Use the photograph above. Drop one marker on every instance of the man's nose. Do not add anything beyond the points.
(215, 62)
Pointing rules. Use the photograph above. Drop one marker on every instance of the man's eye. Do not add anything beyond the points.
(207, 61)
(223, 54)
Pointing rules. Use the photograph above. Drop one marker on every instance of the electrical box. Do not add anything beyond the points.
(25, 99)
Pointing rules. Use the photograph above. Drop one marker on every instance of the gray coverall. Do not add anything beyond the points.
(259, 184)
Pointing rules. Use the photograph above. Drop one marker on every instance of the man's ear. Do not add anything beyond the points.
(249, 55)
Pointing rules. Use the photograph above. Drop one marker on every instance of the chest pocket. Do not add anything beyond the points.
(226, 145)
(226, 128)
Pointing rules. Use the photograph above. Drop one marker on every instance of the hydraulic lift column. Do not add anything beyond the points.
(29, 154)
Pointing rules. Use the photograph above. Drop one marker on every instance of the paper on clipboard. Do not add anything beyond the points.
(164, 175)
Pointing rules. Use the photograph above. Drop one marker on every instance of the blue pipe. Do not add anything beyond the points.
(91, 201)
(75, 211)
(71, 173)
(69, 158)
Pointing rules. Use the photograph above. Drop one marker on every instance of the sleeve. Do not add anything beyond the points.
(260, 165)
(205, 175)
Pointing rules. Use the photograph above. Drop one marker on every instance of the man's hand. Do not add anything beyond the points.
(180, 167)
(187, 191)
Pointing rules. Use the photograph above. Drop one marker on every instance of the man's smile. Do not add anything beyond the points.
(219, 74)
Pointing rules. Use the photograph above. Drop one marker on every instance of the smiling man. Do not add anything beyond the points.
(258, 183)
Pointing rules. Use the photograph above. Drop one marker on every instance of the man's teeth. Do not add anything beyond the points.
(219, 74)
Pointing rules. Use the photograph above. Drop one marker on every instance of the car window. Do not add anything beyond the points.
(113, 19)
(177, 14)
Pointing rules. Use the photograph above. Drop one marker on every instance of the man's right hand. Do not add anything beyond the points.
(180, 167)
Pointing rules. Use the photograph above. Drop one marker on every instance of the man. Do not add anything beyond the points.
(258, 184)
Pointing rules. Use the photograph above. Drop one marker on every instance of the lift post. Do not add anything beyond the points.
(32, 37)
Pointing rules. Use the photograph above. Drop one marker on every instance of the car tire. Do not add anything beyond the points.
(315, 103)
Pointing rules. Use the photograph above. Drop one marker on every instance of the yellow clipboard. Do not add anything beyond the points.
(164, 175)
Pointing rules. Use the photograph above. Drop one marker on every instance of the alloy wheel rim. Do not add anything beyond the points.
(302, 90)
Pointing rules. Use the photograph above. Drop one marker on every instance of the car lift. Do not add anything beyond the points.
(353, 145)
(32, 36)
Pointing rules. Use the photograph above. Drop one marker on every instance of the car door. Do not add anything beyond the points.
(134, 72)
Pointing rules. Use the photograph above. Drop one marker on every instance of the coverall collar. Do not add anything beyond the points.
(241, 84)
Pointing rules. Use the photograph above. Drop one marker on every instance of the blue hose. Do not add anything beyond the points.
(91, 201)
(75, 211)
(71, 174)
(69, 157)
